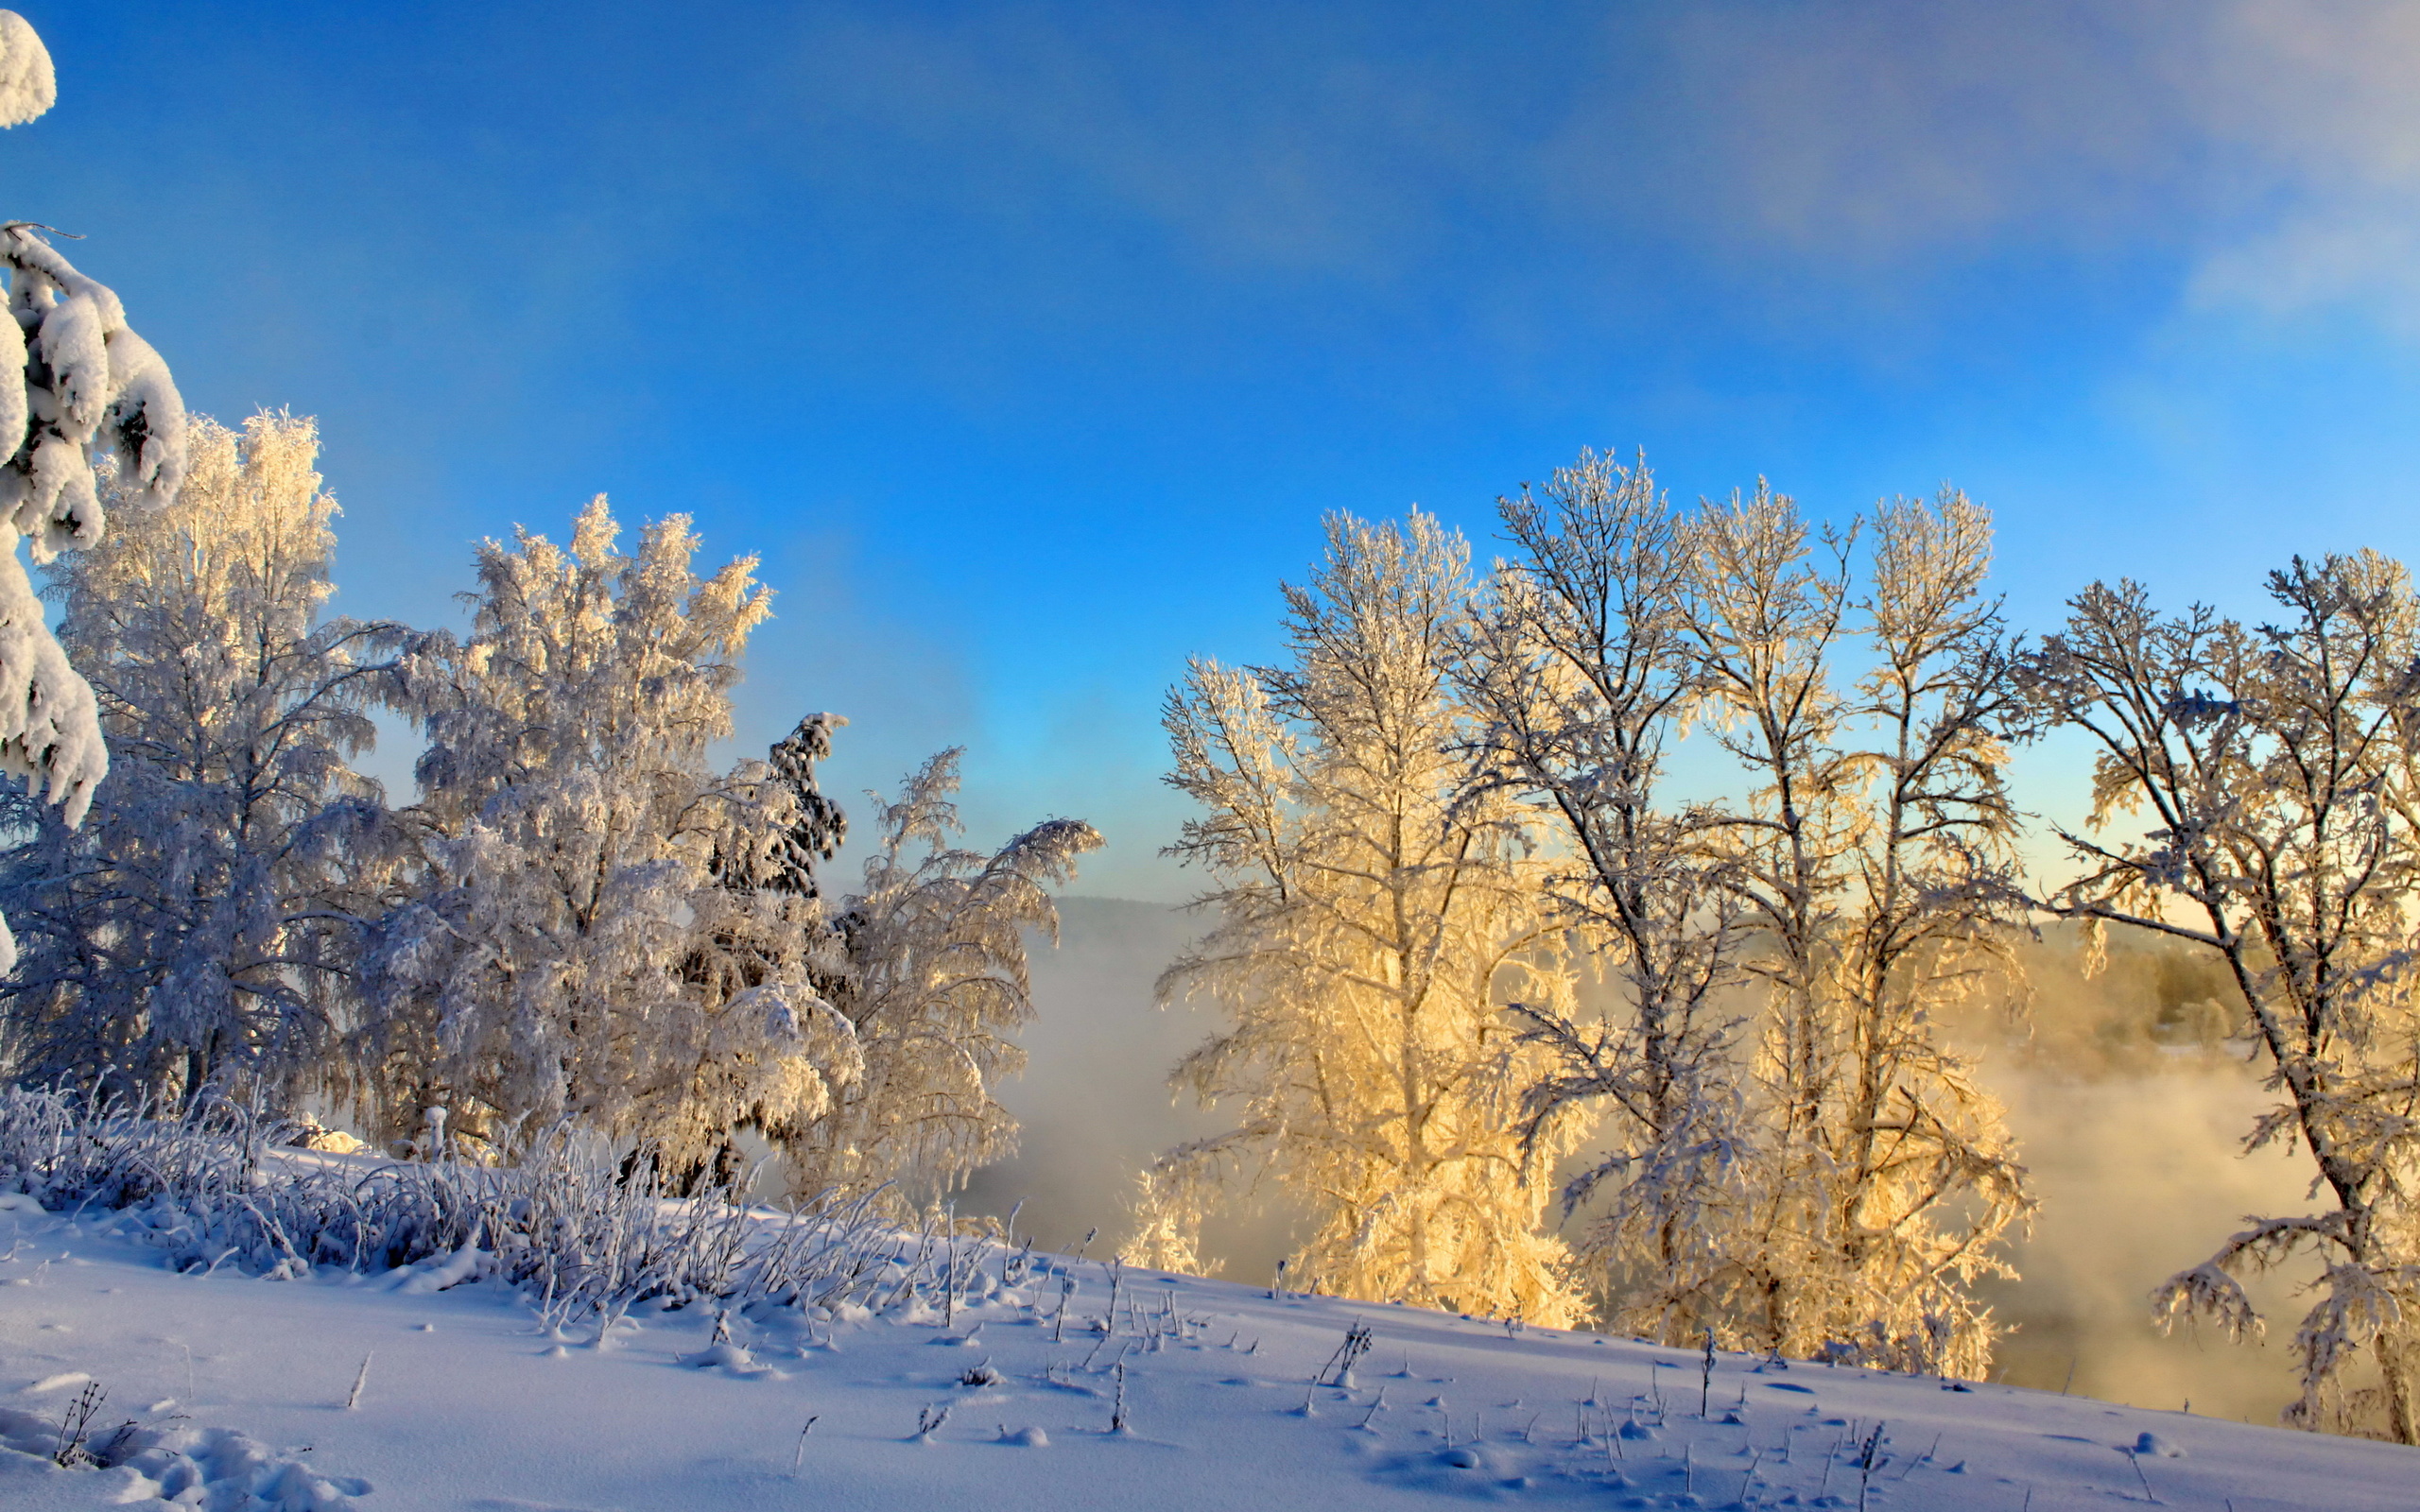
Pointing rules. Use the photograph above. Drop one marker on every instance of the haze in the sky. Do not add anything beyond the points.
(1027, 343)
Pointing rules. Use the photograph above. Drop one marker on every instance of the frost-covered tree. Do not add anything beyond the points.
(1376, 912)
(935, 986)
(598, 926)
(85, 389)
(196, 932)
(1873, 858)
(2274, 772)
(1584, 676)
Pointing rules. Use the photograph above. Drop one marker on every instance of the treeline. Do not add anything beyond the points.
(1586, 927)
(579, 920)
(1477, 923)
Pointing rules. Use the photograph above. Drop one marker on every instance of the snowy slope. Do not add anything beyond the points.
(468, 1406)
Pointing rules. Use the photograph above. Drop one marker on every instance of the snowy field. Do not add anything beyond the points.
(241, 1385)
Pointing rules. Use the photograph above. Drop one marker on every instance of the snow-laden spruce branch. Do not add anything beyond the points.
(82, 390)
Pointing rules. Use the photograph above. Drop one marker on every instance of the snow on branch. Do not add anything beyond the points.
(90, 390)
(26, 86)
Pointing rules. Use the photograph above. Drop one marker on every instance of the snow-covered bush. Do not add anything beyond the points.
(198, 929)
(589, 1235)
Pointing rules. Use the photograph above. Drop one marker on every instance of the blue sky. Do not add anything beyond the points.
(1028, 343)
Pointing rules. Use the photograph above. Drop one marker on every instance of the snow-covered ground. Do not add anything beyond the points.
(467, 1404)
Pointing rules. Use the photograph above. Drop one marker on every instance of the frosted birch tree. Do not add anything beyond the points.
(2256, 792)
(1875, 858)
(1376, 912)
(1584, 677)
(568, 946)
(196, 932)
(935, 988)
(82, 389)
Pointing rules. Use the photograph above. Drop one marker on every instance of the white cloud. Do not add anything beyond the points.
(2271, 146)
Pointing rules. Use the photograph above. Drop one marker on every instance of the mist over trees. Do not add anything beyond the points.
(1735, 992)
(1531, 1028)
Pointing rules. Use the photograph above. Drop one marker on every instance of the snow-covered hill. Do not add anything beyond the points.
(467, 1403)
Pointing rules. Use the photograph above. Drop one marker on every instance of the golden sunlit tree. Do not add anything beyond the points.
(1874, 857)
(198, 933)
(1793, 1157)
(1376, 912)
(1583, 667)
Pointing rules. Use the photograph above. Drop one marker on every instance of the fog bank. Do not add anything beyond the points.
(2127, 1102)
